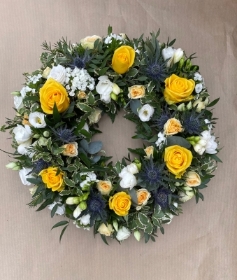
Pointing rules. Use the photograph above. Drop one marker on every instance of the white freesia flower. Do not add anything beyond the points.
(18, 102)
(161, 139)
(208, 124)
(104, 88)
(132, 168)
(60, 209)
(58, 73)
(22, 133)
(24, 90)
(178, 54)
(146, 112)
(211, 144)
(199, 149)
(77, 212)
(24, 175)
(36, 119)
(85, 220)
(119, 37)
(167, 53)
(22, 148)
(122, 234)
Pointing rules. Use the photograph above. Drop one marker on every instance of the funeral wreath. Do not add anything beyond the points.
(57, 113)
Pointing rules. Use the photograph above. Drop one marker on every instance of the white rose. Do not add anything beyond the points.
(36, 119)
(85, 220)
(122, 234)
(128, 181)
(24, 175)
(132, 168)
(22, 133)
(18, 102)
(22, 148)
(104, 88)
(105, 230)
(58, 73)
(88, 42)
(60, 209)
(146, 112)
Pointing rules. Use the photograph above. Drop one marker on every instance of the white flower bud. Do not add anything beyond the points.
(137, 235)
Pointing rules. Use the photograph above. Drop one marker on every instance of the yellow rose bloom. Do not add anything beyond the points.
(177, 160)
(120, 203)
(123, 59)
(51, 179)
(178, 89)
(52, 93)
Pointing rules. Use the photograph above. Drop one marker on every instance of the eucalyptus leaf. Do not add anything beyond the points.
(177, 140)
(135, 104)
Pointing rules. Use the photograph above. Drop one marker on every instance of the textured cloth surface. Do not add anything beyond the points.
(201, 243)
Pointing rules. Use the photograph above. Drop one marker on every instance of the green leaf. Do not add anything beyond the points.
(56, 114)
(94, 147)
(91, 98)
(83, 107)
(85, 159)
(149, 229)
(132, 72)
(135, 105)
(177, 140)
(104, 239)
(45, 204)
(215, 157)
(62, 232)
(213, 102)
(143, 219)
(53, 211)
(69, 182)
(59, 224)
(65, 192)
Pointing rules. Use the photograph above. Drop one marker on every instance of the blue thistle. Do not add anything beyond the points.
(64, 135)
(161, 197)
(39, 165)
(163, 118)
(191, 122)
(96, 207)
(80, 61)
(152, 175)
(156, 70)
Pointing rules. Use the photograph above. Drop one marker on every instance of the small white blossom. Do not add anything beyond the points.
(197, 77)
(161, 139)
(60, 209)
(18, 102)
(24, 175)
(122, 234)
(85, 220)
(198, 88)
(108, 39)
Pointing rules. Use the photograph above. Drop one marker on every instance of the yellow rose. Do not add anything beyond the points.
(51, 179)
(149, 151)
(172, 126)
(120, 203)
(142, 198)
(136, 91)
(52, 93)
(177, 159)
(123, 59)
(178, 89)
(192, 179)
(70, 149)
(105, 230)
(104, 187)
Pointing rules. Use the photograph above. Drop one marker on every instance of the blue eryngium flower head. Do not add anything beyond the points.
(96, 207)
(163, 118)
(152, 175)
(156, 71)
(64, 135)
(39, 165)
(161, 197)
(191, 122)
(80, 61)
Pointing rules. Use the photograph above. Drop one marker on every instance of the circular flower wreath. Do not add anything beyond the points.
(57, 115)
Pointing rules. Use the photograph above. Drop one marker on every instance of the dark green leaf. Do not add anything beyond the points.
(177, 140)
(62, 232)
(53, 211)
(59, 224)
(213, 102)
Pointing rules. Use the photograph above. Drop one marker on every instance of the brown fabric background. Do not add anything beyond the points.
(199, 244)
